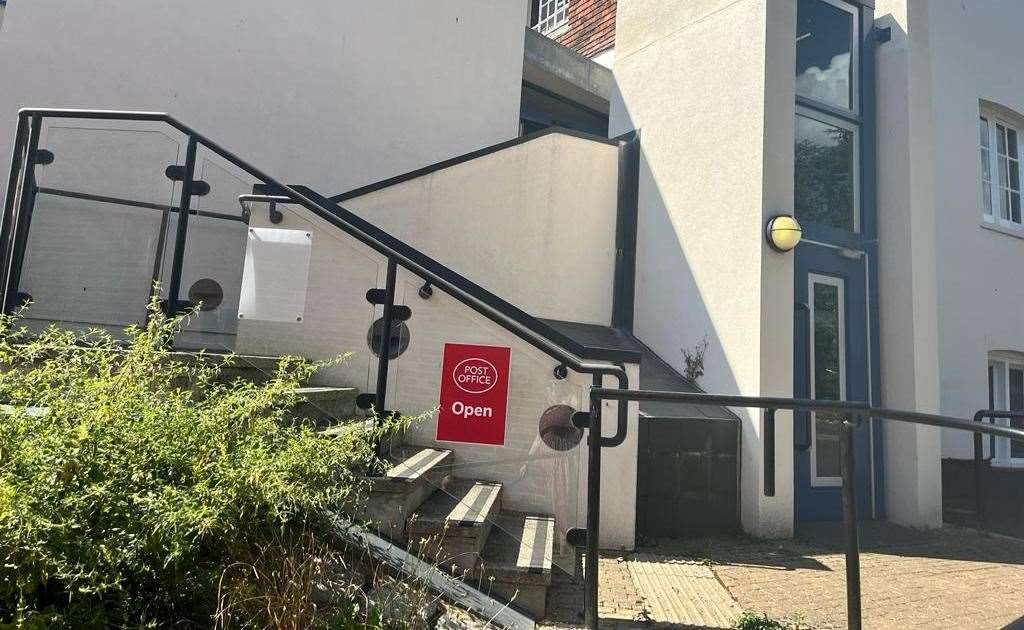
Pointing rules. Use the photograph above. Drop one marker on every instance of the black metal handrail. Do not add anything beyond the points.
(992, 414)
(855, 413)
(14, 231)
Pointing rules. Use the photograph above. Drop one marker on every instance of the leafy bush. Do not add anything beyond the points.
(130, 482)
(753, 621)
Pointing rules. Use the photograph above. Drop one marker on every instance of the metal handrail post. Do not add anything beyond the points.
(849, 473)
(181, 238)
(10, 215)
(591, 570)
(384, 349)
(26, 206)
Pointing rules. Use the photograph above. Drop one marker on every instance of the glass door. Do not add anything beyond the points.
(831, 364)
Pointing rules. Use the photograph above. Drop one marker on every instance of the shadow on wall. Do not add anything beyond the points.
(671, 311)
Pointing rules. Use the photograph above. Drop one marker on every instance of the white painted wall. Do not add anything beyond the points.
(980, 295)
(909, 334)
(717, 155)
(533, 223)
(536, 478)
(330, 93)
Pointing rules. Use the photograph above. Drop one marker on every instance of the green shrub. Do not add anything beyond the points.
(126, 498)
(753, 621)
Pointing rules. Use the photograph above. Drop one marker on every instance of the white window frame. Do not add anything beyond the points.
(840, 284)
(853, 128)
(854, 62)
(996, 189)
(1001, 398)
(551, 16)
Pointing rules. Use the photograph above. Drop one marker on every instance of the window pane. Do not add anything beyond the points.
(824, 173)
(828, 375)
(1011, 143)
(824, 47)
(1001, 139)
(1017, 404)
(1015, 207)
(984, 132)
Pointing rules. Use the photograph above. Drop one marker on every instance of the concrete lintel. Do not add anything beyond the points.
(554, 67)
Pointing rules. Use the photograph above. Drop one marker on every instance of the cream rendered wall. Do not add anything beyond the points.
(980, 294)
(334, 94)
(717, 155)
(335, 322)
(533, 223)
(908, 290)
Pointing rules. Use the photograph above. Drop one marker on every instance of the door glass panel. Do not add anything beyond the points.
(1017, 404)
(824, 171)
(824, 50)
(828, 372)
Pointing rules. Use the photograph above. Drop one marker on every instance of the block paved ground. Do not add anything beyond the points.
(949, 578)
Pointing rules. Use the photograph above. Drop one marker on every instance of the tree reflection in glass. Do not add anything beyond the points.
(823, 168)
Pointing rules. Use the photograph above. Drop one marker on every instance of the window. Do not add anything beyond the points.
(550, 15)
(826, 53)
(1008, 165)
(825, 168)
(828, 377)
(1000, 154)
(984, 130)
(1006, 391)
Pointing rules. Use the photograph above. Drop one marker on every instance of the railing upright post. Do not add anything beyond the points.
(769, 453)
(181, 238)
(387, 321)
(853, 599)
(10, 212)
(26, 205)
(979, 503)
(590, 571)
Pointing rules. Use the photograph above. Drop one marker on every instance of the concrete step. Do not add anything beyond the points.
(254, 368)
(451, 527)
(394, 496)
(327, 405)
(515, 564)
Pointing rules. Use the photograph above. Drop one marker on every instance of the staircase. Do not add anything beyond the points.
(341, 285)
(458, 524)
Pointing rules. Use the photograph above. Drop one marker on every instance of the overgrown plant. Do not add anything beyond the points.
(694, 361)
(130, 483)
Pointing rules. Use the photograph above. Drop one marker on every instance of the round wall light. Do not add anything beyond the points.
(783, 233)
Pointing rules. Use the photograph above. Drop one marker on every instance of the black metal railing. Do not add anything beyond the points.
(854, 412)
(22, 189)
(979, 463)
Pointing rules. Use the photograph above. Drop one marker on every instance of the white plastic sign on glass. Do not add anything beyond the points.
(275, 275)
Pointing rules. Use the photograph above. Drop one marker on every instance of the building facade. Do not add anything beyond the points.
(890, 129)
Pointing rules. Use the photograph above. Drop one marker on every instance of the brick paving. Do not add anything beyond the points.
(950, 578)
(647, 590)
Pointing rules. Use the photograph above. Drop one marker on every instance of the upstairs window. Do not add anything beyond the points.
(1006, 391)
(826, 53)
(550, 15)
(826, 171)
(1000, 153)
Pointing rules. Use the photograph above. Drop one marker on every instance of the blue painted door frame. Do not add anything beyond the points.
(850, 270)
(852, 258)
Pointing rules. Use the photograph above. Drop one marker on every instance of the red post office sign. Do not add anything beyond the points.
(474, 394)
